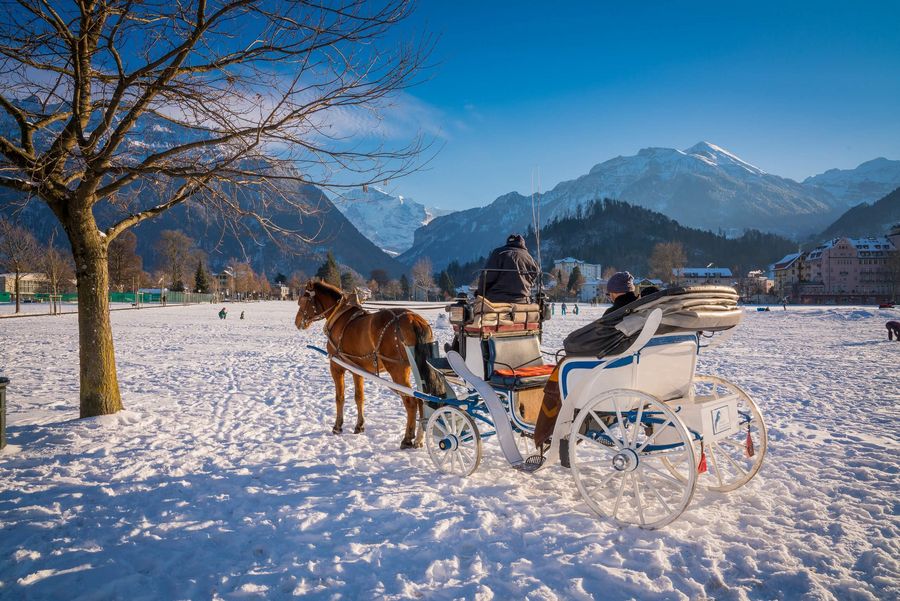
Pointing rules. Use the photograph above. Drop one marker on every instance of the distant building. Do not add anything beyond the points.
(698, 276)
(849, 270)
(788, 274)
(590, 271)
(594, 288)
(29, 284)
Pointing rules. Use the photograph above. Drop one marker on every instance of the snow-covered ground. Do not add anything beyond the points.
(222, 480)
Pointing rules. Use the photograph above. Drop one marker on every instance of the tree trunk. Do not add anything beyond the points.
(99, 383)
(16, 287)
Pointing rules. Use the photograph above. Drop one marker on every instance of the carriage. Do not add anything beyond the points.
(637, 427)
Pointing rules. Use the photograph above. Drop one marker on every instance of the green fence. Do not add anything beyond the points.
(172, 298)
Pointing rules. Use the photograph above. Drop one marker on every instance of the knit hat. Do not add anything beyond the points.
(621, 281)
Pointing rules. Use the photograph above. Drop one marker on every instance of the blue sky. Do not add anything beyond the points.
(794, 88)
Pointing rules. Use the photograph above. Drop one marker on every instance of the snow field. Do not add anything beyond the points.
(221, 480)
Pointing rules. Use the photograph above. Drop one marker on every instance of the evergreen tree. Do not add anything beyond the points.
(446, 284)
(329, 272)
(576, 280)
(281, 278)
(404, 286)
(349, 282)
(201, 281)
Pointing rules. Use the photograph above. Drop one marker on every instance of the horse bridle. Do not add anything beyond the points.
(305, 321)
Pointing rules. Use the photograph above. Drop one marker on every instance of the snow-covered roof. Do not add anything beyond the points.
(24, 275)
(786, 261)
(702, 272)
(869, 244)
(569, 260)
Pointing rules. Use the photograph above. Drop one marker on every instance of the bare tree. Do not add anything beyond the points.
(665, 259)
(18, 253)
(422, 275)
(57, 266)
(609, 272)
(125, 265)
(175, 249)
(254, 94)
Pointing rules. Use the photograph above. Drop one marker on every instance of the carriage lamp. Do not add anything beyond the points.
(460, 312)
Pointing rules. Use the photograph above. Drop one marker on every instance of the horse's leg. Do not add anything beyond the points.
(359, 397)
(420, 430)
(409, 436)
(400, 375)
(337, 374)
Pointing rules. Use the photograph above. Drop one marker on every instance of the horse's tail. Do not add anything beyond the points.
(431, 381)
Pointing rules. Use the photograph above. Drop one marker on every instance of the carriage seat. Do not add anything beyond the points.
(515, 362)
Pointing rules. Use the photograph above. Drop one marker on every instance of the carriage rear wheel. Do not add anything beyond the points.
(732, 461)
(453, 441)
(626, 443)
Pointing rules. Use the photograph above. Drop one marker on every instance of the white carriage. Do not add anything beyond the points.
(638, 428)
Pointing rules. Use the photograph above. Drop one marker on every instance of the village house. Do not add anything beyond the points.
(590, 271)
(30, 284)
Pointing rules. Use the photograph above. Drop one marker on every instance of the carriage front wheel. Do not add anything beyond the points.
(632, 459)
(453, 441)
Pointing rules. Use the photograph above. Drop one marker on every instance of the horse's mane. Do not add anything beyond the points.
(320, 286)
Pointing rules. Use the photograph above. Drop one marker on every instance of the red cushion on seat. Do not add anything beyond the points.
(526, 372)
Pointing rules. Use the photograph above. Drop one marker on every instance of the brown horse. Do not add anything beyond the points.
(375, 342)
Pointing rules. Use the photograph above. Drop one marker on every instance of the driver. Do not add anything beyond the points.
(509, 273)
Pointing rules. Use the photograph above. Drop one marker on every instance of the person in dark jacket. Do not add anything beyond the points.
(620, 288)
(893, 328)
(509, 273)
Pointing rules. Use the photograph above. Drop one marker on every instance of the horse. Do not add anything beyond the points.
(375, 342)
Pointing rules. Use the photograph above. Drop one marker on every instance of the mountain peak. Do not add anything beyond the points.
(718, 156)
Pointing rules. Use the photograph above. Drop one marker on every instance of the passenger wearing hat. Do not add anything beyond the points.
(509, 273)
(620, 289)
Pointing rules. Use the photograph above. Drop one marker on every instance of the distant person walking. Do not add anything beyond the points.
(575, 310)
(223, 313)
(893, 328)
(242, 315)
(563, 310)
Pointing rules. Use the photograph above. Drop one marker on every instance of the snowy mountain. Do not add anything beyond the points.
(704, 186)
(867, 183)
(388, 221)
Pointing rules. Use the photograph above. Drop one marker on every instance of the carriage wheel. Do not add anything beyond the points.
(453, 441)
(732, 461)
(626, 444)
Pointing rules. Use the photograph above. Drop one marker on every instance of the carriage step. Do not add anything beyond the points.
(531, 464)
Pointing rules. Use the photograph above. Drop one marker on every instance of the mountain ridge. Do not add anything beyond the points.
(704, 186)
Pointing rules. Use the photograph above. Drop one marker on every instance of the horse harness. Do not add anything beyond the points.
(344, 306)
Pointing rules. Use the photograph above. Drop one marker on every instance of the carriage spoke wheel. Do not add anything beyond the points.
(453, 441)
(632, 459)
(732, 461)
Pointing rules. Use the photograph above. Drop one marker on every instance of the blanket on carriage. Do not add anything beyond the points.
(685, 309)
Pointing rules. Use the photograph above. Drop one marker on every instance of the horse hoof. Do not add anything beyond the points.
(359, 429)
(407, 444)
(337, 430)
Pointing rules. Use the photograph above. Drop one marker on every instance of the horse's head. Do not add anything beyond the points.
(315, 302)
